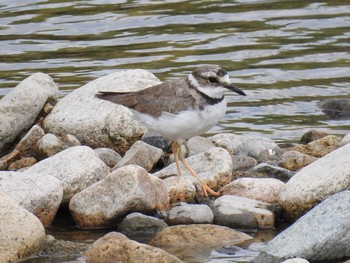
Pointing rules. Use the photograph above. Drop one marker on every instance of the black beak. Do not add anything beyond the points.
(235, 89)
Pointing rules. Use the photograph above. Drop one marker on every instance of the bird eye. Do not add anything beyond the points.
(212, 79)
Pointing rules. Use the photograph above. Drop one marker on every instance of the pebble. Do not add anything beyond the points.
(315, 182)
(27, 146)
(22, 163)
(312, 135)
(189, 214)
(260, 189)
(243, 213)
(125, 190)
(115, 247)
(108, 156)
(293, 160)
(50, 144)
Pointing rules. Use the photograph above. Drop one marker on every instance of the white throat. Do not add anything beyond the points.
(210, 91)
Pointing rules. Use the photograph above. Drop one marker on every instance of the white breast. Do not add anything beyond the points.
(185, 124)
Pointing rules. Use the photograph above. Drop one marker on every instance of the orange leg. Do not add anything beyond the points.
(175, 148)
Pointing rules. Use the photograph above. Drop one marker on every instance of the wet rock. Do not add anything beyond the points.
(22, 163)
(39, 194)
(197, 145)
(320, 235)
(21, 232)
(180, 189)
(315, 182)
(155, 139)
(312, 135)
(53, 247)
(115, 247)
(141, 154)
(345, 140)
(108, 156)
(336, 108)
(293, 160)
(260, 189)
(125, 190)
(96, 122)
(20, 107)
(189, 214)
(195, 241)
(243, 213)
(141, 224)
(77, 168)
(214, 166)
(27, 146)
(264, 170)
(243, 163)
(320, 147)
(49, 145)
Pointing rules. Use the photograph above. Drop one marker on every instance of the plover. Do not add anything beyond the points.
(180, 109)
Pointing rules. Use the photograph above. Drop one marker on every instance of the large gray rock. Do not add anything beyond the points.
(20, 107)
(240, 212)
(214, 166)
(189, 214)
(125, 190)
(39, 194)
(315, 182)
(323, 234)
(96, 122)
(77, 168)
(21, 233)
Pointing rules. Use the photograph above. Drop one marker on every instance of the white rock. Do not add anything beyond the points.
(296, 260)
(20, 107)
(50, 144)
(214, 166)
(77, 168)
(198, 144)
(96, 122)
(39, 194)
(315, 182)
(127, 189)
(240, 212)
(21, 233)
(141, 154)
(261, 189)
(345, 140)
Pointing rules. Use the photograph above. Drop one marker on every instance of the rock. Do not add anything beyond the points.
(312, 135)
(70, 140)
(243, 213)
(50, 144)
(27, 146)
(323, 234)
(214, 166)
(296, 260)
(21, 232)
(77, 168)
(321, 147)
(189, 214)
(53, 247)
(141, 224)
(264, 170)
(141, 154)
(192, 242)
(345, 140)
(108, 156)
(9, 158)
(125, 190)
(39, 194)
(180, 189)
(22, 163)
(260, 189)
(261, 148)
(336, 108)
(198, 144)
(115, 247)
(315, 182)
(243, 163)
(20, 107)
(155, 139)
(99, 123)
(293, 160)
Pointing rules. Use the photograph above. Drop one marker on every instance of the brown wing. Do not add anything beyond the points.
(172, 97)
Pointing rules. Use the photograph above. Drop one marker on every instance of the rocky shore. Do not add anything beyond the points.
(90, 158)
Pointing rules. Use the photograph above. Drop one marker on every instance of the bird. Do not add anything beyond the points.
(181, 108)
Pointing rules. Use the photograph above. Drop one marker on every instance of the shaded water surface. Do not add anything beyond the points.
(287, 55)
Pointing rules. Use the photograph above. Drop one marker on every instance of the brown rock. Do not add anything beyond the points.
(191, 241)
(312, 135)
(320, 147)
(115, 247)
(8, 158)
(27, 145)
(293, 160)
(180, 189)
(22, 163)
